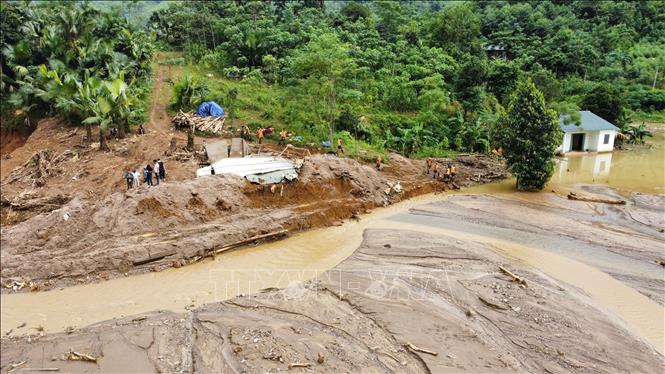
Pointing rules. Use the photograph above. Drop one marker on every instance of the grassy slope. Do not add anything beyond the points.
(260, 104)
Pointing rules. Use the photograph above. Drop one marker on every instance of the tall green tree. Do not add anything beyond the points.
(607, 102)
(456, 29)
(321, 65)
(529, 134)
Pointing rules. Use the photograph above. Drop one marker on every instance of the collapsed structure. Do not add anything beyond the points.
(262, 170)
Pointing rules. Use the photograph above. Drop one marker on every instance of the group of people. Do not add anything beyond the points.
(261, 133)
(157, 170)
(447, 174)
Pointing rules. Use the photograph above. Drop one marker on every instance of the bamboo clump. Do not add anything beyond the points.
(209, 124)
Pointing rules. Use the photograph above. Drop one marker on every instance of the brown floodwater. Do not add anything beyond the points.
(640, 169)
(304, 255)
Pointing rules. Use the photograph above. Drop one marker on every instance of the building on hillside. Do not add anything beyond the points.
(496, 50)
(593, 134)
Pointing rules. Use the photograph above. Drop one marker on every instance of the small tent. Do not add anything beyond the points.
(210, 108)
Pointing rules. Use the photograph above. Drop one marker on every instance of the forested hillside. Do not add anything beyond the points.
(75, 62)
(424, 78)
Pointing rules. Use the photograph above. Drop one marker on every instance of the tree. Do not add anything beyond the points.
(354, 11)
(457, 30)
(638, 133)
(469, 84)
(607, 102)
(321, 64)
(529, 134)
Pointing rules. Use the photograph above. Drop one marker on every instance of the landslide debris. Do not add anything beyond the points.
(91, 235)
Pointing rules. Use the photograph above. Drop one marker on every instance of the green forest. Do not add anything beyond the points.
(424, 78)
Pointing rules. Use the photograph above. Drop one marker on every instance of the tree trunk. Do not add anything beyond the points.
(88, 132)
(333, 107)
(122, 130)
(102, 141)
(190, 140)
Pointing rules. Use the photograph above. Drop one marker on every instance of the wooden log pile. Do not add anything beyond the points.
(209, 124)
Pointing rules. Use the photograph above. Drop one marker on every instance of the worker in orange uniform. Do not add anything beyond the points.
(282, 137)
(379, 160)
(453, 172)
(428, 164)
(339, 146)
(435, 170)
(446, 174)
(259, 134)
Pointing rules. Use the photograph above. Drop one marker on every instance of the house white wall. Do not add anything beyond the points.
(593, 141)
(602, 147)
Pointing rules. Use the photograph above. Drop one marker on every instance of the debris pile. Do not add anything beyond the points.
(211, 124)
(42, 164)
(261, 170)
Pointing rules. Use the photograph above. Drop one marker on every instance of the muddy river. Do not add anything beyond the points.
(303, 256)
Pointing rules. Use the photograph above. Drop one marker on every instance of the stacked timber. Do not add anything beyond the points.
(211, 124)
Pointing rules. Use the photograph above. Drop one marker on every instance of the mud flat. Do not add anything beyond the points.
(424, 292)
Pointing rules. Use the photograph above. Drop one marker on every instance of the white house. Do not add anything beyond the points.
(593, 134)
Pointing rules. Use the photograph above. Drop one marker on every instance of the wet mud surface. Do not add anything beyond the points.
(424, 280)
(89, 240)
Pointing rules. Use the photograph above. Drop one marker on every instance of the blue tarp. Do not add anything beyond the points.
(210, 108)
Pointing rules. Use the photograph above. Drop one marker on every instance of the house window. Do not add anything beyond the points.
(607, 139)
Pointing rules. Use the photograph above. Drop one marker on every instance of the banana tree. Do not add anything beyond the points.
(637, 133)
(109, 105)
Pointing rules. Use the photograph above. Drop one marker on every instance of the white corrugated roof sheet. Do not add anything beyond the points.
(247, 166)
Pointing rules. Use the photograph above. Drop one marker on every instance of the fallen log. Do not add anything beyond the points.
(299, 365)
(76, 356)
(239, 244)
(423, 350)
(13, 367)
(155, 257)
(510, 274)
(593, 199)
(491, 304)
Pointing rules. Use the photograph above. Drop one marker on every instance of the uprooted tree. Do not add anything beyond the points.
(529, 134)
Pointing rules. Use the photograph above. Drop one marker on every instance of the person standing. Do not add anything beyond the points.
(259, 134)
(129, 178)
(379, 160)
(282, 137)
(156, 170)
(435, 170)
(453, 172)
(428, 164)
(339, 147)
(446, 174)
(162, 171)
(136, 178)
(148, 174)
